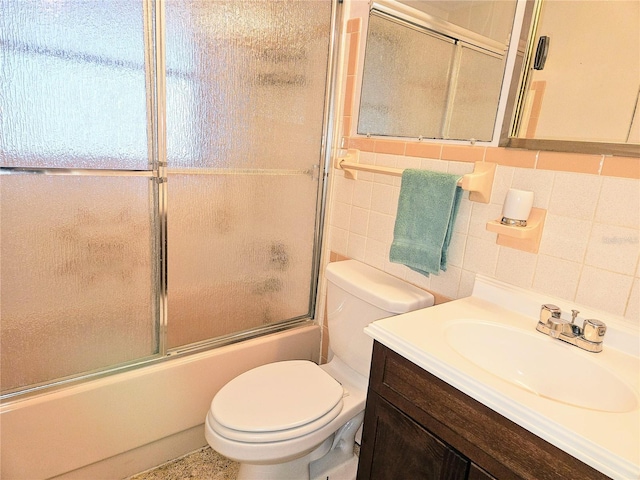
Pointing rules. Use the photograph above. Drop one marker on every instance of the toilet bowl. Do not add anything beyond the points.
(298, 420)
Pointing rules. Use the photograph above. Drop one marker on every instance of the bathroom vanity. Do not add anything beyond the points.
(441, 405)
(417, 426)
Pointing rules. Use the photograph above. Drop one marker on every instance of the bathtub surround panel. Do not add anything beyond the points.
(127, 423)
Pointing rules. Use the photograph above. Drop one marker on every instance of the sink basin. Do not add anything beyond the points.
(542, 366)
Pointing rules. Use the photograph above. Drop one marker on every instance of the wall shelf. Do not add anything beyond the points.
(521, 238)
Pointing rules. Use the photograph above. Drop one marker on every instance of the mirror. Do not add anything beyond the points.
(434, 69)
(584, 97)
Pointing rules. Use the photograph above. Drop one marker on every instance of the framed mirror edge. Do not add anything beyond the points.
(515, 91)
(519, 87)
(568, 146)
(511, 75)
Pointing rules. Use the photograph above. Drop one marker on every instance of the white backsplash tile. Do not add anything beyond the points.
(342, 189)
(467, 279)
(619, 202)
(464, 215)
(632, 311)
(557, 277)
(339, 240)
(362, 192)
(434, 165)
(538, 181)
(604, 290)
(501, 184)
(481, 255)
(575, 195)
(516, 267)
(341, 215)
(408, 162)
(382, 199)
(565, 237)
(589, 251)
(359, 222)
(376, 253)
(481, 213)
(613, 248)
(381, 227)
(356, 248)
(418, 279)
(456, 249)
(447, 283)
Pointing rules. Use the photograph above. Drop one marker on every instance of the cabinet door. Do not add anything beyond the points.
(394, 447)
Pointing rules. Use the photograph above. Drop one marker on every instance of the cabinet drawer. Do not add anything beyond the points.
(488, 439)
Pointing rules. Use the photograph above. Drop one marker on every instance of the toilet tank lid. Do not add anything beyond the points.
(377, 287)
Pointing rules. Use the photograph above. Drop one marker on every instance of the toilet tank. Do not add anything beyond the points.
(358, 294)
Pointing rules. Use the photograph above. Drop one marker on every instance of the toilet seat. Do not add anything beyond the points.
(276, 402)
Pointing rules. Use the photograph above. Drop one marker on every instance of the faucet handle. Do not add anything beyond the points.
(554, 309)
(548, 311)
(593, 330)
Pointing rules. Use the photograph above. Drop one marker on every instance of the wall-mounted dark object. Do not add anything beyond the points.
(541, 53)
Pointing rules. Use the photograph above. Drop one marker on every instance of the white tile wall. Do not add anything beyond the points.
(590, 248)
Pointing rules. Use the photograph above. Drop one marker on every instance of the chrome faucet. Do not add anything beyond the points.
(588, 337)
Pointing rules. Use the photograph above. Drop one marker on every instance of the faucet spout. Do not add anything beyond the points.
(558, 326)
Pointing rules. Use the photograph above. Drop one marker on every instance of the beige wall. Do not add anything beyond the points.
(589, 250)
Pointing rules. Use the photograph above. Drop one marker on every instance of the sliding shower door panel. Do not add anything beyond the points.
(246, 87)
(79, 217)
(77, 276)
(240, 250)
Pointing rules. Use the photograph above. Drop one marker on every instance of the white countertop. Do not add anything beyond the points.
(607, 441)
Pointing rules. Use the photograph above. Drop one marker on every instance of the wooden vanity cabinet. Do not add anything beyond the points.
(418, 427)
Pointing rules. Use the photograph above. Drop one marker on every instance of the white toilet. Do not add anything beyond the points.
(297, 420)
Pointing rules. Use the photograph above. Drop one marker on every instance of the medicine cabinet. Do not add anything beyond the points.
(435, 72)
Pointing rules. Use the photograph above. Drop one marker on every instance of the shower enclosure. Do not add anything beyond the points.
(162, 178)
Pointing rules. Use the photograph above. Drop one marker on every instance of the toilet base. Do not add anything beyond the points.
(345, 471)
(297, 469)
(333, 460)
(301, 469)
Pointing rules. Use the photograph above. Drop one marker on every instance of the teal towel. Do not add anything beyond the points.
(427, 210)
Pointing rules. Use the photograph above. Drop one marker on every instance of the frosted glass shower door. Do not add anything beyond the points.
(78, 219)
(246, 84)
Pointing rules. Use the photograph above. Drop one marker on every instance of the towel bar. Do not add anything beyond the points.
(479, 183)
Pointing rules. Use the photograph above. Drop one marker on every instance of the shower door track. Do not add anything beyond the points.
(107, 172)
(239, 171)
(89, 172)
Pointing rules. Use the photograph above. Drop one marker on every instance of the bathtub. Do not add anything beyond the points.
(116, 426)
